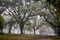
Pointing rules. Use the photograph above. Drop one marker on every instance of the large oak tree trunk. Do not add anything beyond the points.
(55, 30)
(34, 31)
(58, 31)
(1, 31)
(21, 28)
(10, 29)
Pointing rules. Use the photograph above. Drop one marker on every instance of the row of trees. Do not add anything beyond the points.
(22, 14)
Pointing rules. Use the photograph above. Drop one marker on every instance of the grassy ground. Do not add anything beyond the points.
(27, 37)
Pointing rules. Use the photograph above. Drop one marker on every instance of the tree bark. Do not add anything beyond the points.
(1, 31)
(21, 28)
(55, 30)
(34, 31)
(10, 29)
(58, 31)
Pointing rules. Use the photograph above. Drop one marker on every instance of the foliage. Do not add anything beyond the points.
(55, 14)
(56, 3)
(2, 24)
(2, 21)
(21, 14)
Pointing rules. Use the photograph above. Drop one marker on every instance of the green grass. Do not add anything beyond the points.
(16, 36)
(57, 37)
(23, 36)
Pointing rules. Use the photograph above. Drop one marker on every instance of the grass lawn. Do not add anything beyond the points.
(26, 37)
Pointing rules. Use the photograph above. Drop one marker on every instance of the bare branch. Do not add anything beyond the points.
(3, 9)
(49, 22)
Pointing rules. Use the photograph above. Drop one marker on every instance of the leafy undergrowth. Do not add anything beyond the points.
(26, 37)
